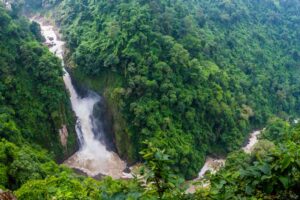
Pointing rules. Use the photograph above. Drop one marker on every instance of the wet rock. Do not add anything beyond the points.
(127, 170)
(82, 173)
(99, 176)
(63, 134)
(49, 45)
(81, 90)
(7, 195)
(79, 172)
(103, 122)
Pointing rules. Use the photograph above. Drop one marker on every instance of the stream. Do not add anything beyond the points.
(213, 165)
(92, 158)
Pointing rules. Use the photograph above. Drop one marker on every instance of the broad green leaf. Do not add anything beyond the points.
(285, 181)
(285, 163)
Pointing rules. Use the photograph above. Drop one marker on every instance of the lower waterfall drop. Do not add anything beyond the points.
(92, 158)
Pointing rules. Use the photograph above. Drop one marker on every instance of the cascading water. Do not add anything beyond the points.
(92, 158)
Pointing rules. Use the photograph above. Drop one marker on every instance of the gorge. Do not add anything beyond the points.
(89, 88)
(93, 158)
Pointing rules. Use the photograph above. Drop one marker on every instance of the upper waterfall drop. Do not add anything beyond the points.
(93, 158)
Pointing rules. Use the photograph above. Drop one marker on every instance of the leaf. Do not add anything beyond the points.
(248, 190)
(269, 188)
(265, 168)
(285, 163)
(285, 181)
(298, 162)
(264, 177)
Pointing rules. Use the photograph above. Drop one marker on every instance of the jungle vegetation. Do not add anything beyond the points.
(186, 79)
(33, 102)
(194, 77)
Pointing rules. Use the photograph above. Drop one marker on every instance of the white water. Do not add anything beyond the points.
(211, 165)
(92, 158)
(214, 165)
(252, 141)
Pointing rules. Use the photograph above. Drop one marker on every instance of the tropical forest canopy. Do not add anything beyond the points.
(183, 79)
(33, 102)
(196, 76)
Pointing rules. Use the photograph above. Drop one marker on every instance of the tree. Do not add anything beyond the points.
(157, 174)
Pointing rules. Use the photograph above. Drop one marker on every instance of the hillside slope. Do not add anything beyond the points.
(210, 94)
(34, 104)
(193, 76)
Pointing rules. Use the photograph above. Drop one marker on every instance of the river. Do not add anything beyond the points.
(92, 158)
(214, 164)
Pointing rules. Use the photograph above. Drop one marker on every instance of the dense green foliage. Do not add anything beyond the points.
(38, 177)
(67, 186)
(197, 75)
(189, 77)
(154, 182)
(20, 164)
(157, 175)
(33, 106)
(33, 101)
(271, 171)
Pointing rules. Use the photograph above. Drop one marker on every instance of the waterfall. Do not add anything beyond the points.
(93, 158)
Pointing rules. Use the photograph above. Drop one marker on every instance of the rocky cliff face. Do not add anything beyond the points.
(7, 195)
(104, 122)
(63, 134)
(107, 111)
